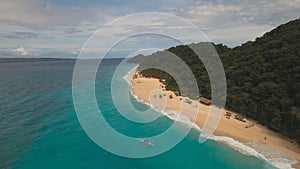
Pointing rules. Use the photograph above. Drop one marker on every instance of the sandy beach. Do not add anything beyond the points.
(249, 133)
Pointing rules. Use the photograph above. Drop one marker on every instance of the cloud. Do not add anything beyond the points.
(23, 35)
(235, 36)
(235, 22)
(42, 13)
(73, 30)
(39, 52)
(65, 25)
(21, 50)
(271, 12)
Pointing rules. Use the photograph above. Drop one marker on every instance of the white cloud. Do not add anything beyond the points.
(45, 24)
(40, 13)
(235, 36)
(272, 12)
(235, 22)
(21, 50)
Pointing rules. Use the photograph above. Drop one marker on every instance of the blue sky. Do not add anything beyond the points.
(60, 28)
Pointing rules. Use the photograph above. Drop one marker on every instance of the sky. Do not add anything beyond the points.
(61, 28)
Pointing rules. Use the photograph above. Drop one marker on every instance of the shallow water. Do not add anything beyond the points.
(39, 127)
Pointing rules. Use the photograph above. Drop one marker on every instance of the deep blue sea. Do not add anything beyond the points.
(39, 128)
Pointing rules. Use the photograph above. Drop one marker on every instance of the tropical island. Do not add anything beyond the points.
(263, 88)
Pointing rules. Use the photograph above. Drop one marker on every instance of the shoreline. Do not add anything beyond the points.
(256, 140)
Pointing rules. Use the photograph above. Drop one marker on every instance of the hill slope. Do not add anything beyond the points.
(263, 77)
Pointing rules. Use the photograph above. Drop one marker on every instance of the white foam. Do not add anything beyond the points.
(277, 159)
(176, 116)
(129, 75)
(171, 114)
(281, 162)
(274, 157)
(242, 148)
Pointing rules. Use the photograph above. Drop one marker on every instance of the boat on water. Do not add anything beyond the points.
(146, 141)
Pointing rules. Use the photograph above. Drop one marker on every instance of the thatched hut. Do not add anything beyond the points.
(205, 101)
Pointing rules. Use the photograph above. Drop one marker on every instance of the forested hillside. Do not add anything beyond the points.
(263, 77)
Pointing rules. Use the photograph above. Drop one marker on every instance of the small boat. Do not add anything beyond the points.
(146, 141)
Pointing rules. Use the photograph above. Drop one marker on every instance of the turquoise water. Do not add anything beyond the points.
(39, 127)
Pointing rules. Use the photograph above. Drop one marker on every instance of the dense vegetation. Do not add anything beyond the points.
(263, 80)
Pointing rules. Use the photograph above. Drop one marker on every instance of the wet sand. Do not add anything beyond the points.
(249, 133)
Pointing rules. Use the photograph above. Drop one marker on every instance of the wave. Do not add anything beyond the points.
(242, 148)
(177, 116)
(274, 157)
(129, 75)
(277, 159)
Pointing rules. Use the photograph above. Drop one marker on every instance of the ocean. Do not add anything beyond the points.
(39, 128)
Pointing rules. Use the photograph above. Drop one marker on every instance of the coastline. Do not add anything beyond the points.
(256, 140)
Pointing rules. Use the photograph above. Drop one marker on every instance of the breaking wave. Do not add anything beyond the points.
(274, 157)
